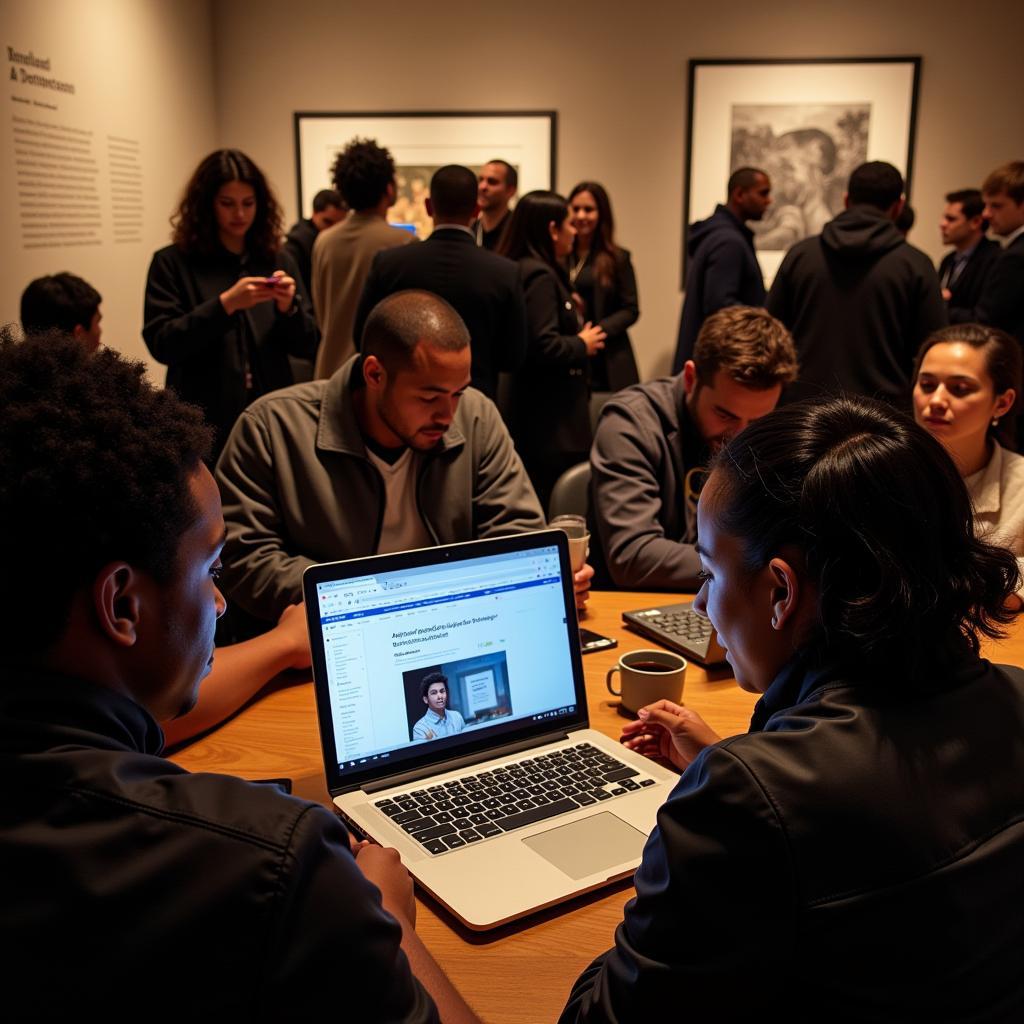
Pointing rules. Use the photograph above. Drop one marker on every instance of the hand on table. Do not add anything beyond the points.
(384, 868)
(581, 584)
(669, 732)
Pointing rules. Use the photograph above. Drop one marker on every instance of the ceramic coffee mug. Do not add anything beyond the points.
(648, 676)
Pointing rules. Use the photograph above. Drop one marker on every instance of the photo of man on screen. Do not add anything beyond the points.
(439, 720)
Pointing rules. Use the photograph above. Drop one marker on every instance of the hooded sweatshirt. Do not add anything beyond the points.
(859, 300)
(723, 271)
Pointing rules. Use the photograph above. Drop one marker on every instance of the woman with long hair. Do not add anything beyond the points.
(601, 275)
(858, 850)
(550, 414)
(967, 387)
(223, 311)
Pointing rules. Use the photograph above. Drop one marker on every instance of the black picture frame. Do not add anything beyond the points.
(874, 97)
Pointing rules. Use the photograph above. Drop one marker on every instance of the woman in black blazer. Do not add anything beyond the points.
(223, 309)
(601, 274)
(550, 416)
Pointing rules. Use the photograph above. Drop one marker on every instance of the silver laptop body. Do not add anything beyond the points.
(453, 721)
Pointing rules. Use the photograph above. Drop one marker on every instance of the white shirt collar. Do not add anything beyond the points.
(1012, 237)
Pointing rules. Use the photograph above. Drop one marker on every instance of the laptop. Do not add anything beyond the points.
(453, 720)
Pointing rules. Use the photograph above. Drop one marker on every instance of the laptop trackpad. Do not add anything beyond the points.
(585, 847)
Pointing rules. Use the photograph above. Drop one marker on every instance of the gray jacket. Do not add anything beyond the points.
(644, 446)
(298, 488)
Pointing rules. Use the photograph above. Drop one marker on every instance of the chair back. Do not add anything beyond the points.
(570, 495)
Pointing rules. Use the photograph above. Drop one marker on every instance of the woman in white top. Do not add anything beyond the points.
(966, 387)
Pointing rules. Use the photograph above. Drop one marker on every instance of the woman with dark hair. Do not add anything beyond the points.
(223, 310)
(967, 386)
(601, 274)
(550, 407)
(858, 852)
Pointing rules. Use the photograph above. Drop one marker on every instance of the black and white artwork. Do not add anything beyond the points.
(808, 150)
(808, 123)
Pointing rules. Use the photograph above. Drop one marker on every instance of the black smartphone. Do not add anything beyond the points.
(591, 641)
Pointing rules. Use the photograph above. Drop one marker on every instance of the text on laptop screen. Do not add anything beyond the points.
(432, 654)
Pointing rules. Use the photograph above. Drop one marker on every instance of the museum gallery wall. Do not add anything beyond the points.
(181, 78)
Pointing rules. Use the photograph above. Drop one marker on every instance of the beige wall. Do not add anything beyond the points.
(185, 76)
(616, 74)
(142, 69)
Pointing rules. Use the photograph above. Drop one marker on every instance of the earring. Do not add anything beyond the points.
(995, 421)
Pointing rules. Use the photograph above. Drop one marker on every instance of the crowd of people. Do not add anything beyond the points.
(832, 465)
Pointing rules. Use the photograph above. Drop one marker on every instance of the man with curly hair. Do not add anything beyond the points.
(364, 174)
(109, 850)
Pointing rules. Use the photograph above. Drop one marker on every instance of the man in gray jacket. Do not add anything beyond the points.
(654, 440)
(395, 451)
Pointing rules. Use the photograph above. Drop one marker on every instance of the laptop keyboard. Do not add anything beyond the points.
(467, 810)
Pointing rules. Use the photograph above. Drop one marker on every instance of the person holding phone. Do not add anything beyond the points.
(224, 307)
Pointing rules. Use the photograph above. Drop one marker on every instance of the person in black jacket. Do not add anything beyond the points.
(328, 209)
(858, 299)
(1001, 303)
(551, 395)
(601, 275)
(482, 286)
(223, 308)
(722, 267)
(962, 272)
(108, 848)
(856, 855)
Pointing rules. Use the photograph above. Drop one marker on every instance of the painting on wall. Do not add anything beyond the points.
(807, 124)
(420, 143)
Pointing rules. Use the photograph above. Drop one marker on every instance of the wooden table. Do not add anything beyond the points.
(523, 972)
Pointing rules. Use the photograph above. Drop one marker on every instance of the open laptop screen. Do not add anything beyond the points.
(420, 662)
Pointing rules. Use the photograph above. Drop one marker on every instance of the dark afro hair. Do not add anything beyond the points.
(362, 173)
(95, 467)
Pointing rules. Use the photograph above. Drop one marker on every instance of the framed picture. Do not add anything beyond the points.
(420, 143)
(807, 124)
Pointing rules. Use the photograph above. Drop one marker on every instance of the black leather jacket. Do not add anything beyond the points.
(134, 889)
(858, 855)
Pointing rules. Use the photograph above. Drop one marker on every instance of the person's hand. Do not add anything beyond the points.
(593, 337)
(294, 632)
(247, 292)
(428, 734)
(669, 732)
(384, 868)
(581, 584)
(947, 294)
(283, 291)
